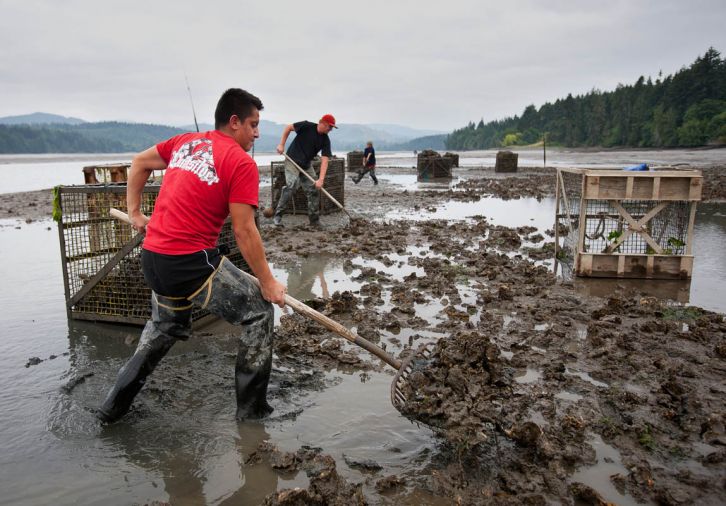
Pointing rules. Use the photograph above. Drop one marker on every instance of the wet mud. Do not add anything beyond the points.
(529, 379)
(530, 374)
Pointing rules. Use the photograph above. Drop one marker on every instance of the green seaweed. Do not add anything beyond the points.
(57, 211)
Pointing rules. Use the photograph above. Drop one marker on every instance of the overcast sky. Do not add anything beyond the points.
(425, 64)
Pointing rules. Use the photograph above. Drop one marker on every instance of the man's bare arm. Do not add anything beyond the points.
(250, 245)
(323, 171)
(285, 134)
(142, 165)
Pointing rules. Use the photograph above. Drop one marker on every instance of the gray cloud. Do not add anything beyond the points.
(431, 65)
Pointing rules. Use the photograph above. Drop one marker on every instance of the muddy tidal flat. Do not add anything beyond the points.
(536, 391)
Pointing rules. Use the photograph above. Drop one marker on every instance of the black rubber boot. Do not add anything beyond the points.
(250, 384)
(132, 377)
(170, 321)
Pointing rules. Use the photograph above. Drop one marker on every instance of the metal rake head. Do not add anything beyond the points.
(415, 361)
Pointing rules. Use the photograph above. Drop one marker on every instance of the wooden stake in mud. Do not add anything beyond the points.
(404, 367)
(332, 199)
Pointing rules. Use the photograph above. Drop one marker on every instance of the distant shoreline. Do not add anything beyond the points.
(6, 158)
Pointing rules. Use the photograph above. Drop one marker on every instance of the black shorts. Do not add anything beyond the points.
(179, 275)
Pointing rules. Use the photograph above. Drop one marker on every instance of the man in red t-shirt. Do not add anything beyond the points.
(209, 176)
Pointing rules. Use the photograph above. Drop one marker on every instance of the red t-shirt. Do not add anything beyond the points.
(205, 173)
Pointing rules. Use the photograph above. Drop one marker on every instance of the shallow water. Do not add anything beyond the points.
(706, 289)
(563, 157)
(53, 450)
(192, 452)
(38, 172)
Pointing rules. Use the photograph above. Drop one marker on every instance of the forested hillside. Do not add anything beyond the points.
(104, 137)
(686, 109)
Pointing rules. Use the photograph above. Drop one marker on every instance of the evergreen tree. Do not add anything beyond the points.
(684, 109)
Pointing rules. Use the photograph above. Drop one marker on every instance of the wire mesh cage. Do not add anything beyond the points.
(431, 165)
(625, 224)
(334, 184)
(506, 161)
(354, 160)
(101, 257)
(454, 158)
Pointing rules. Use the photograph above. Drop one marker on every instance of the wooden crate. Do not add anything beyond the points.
(624, 224)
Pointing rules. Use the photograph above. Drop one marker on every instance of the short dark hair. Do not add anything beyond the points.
(235, 101)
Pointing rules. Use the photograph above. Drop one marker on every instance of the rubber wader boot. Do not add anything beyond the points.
(170, 321)
(250, 382)
(285, 195)
(230, 295)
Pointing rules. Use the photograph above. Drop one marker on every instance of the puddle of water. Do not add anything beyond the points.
(398, 270)
(585, 376)
(528, 376)
(635, 389)
(568, 396)
(581, 331)
(508, 320)
(597, 476)
(508, 213)
(538, 418)
(409, 182)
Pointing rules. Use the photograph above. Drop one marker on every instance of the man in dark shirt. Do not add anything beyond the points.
(310, 139)
(369, 164)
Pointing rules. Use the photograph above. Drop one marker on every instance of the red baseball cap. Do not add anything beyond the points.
(329, 119)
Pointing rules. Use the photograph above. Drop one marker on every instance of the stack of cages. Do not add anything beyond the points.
(101, 256)
(430, 165)
(620, 224)
(354, 160)
(334, 184)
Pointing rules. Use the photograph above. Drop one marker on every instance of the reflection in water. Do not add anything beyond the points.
(665, 289)
(195, 470)
(609, 463)
(303, 275)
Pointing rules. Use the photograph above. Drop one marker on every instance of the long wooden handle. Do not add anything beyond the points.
(309, 312)
(334, 326)
(332, 199)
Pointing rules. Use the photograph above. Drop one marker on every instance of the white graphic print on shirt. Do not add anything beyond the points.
(196, 157)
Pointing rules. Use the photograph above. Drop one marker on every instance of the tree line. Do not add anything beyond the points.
(686, 109)
(102, 137)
